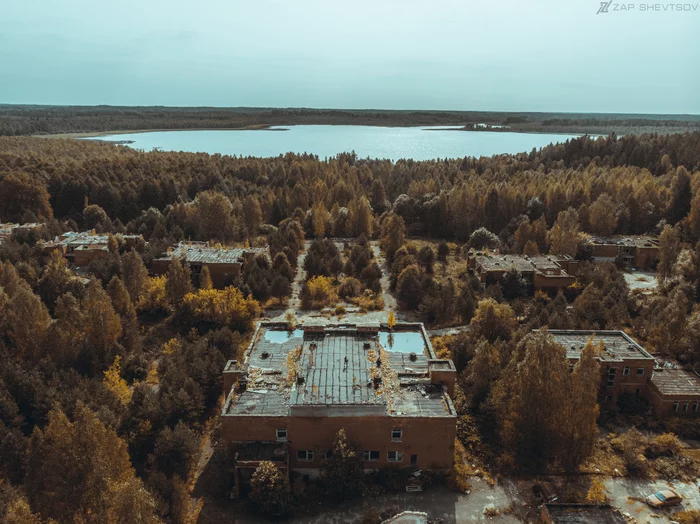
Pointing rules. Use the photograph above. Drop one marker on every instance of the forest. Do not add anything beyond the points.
(112, 383)
(32, 120)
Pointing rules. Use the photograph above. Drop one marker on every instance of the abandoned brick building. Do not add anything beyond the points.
(626, 367)
(297, 389)
(542, 272)
(641, 252)
(81, 248)
(224, 264)
(674, 391)
(9, 230)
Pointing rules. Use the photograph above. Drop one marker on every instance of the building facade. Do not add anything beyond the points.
(625, 366)
(81, 248)
(224, 264)
(674, 392)
(542, 272)
(297, 389)
(641, 252)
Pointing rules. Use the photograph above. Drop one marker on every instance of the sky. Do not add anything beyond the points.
(491, 55)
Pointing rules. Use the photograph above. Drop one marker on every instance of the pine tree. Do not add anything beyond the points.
(205, 279)
(179, 283)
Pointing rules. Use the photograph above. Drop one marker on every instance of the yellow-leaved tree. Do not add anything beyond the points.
(222, 307)
(114, 382)
(391, 320)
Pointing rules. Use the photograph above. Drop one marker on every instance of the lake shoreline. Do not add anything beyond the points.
(275, 127)
(96, 134)
(327, 141)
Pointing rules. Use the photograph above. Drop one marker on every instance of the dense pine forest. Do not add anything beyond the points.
(108, 386)
(27, 119)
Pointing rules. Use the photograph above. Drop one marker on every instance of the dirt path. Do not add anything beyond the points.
(294, 300)
(389, 300)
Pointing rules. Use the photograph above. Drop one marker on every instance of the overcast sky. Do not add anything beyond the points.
(509, 55)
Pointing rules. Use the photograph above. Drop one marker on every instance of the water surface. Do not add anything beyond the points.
(394, 143)
(403, 342)
(280, 337)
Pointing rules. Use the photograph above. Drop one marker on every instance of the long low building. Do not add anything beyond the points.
(224, 264)
(8, 230)
(674, 391)
(641, 252)
(297, 389)
(81, 248)
(627, 368)
(543, 272)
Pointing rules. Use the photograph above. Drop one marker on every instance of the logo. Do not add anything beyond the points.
(604, 6)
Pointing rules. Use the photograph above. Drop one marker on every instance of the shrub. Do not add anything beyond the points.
(318, 293)
(154, 299)
(269, 489)
(666, 445)
(343, 473)
(597, 493)
(482, 238)
(224, 308)
(690, 516)
(351, 287)
(458, 479)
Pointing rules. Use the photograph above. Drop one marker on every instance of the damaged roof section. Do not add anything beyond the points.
(342, 370)
(202, 253)
(617, 345)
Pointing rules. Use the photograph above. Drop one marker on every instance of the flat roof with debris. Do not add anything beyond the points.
(200, 252)
(521, 263)
(339, 370)
(617, 344)
(87, 238)
(676, 382)
(631, 241)
(583, 514)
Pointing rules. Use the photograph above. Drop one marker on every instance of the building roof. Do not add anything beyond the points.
(618, 345)
(87, 238)
(339, 370)
(7, 229)
(676, 382)
(632, 241)
(542, 264)
(200, 252)
(583, 514)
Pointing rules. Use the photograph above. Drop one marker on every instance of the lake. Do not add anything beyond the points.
(394, 143)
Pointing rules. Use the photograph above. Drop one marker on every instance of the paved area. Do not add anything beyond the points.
(438, 503)
(644, 280)
(621, 489)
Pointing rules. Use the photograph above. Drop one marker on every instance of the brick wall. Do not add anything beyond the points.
(430, 439)
(665, 406)
(625, 383)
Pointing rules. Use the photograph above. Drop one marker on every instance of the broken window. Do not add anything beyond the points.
(396, 435)
(305, 455)
(395, 456)
(281, 434)
(370, 456)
